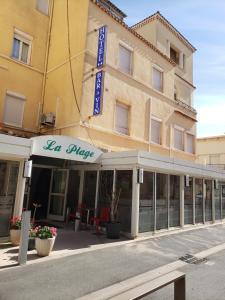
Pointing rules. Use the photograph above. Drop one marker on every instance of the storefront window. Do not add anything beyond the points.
(105, 189)
(217, 200)
(208, 200)
(174, 204)
(198, 200)
(223, 200)
(146, 209)
(8, 185)
(124, 182)
(161, 201)
(188, 202)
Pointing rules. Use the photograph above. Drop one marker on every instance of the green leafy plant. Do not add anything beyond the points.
(45, 232)
(16, 223)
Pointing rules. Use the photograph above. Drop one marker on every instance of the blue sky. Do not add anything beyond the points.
(203, 24)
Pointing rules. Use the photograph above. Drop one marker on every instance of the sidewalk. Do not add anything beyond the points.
(73, 276)
(67, 243)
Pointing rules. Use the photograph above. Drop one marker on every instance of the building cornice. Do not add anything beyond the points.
(137, 35)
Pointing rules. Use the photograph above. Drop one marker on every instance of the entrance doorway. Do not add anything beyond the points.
(8, 184)
(58, 194)
(55, 190)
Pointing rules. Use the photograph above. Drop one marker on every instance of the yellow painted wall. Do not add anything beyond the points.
(59, 95)
(15, 76)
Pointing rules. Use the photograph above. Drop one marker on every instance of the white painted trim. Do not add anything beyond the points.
(23, 35)
(125, 45)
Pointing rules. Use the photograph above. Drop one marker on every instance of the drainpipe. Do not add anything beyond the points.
(46, 65)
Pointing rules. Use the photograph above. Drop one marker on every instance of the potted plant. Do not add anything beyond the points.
(15, 230)
(113, 226)
(32, 236)
(45, 238)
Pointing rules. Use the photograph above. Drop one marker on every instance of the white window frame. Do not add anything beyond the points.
(193, 136)
(150, 136)
(119, 103)
(156, 67)
(41, 11)
(20, 97)
(23, 38)
(122, 44)
(183, 137)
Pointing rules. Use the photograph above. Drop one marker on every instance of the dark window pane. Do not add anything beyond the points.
(161, 201)
(16, 48)
(174, 208)
(208, 200)
(124, 182)
(90, 178)
(198, 201)
(188, 202)
(146, 209)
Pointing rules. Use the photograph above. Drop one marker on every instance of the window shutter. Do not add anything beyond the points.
(156, 131)
(181, 60)
(157, 79)
(178, 139)
(122, 114)
(125, 59)
(190, 143)
(13, 110)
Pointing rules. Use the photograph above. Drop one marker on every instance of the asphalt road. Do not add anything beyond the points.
(73, 276)
(205, 281)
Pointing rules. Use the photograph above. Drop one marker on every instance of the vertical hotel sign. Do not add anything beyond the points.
(99, 77)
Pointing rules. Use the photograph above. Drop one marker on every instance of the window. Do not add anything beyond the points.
(190, 143)
(156, 127)
(157, 79)
(21, 47)
(125, 59)
(13, 110)
(174, 55)
(178, 139)
(42, 6)
(122, 118)
(177, 56)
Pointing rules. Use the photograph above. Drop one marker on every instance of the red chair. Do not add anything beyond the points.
(80, 212)
(103, 218)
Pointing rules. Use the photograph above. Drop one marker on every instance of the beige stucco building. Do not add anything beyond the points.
(109, 107)
(211, 151)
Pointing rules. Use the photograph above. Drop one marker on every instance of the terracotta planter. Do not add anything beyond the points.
(44, 246)
(15, 236)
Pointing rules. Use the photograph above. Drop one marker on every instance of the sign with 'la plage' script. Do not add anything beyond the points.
(64, 147)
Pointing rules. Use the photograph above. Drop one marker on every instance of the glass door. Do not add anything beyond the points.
(57, 195)
(8, 185)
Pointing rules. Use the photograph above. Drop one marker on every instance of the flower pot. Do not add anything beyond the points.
(15, 236)
(31, 243)
(44, 246)
(113, 230)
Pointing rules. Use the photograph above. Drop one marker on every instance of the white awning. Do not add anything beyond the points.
(14, 148)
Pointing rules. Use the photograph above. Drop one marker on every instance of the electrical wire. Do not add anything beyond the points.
(71, 70)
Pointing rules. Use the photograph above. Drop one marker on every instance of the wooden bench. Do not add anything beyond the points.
(147, 288)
